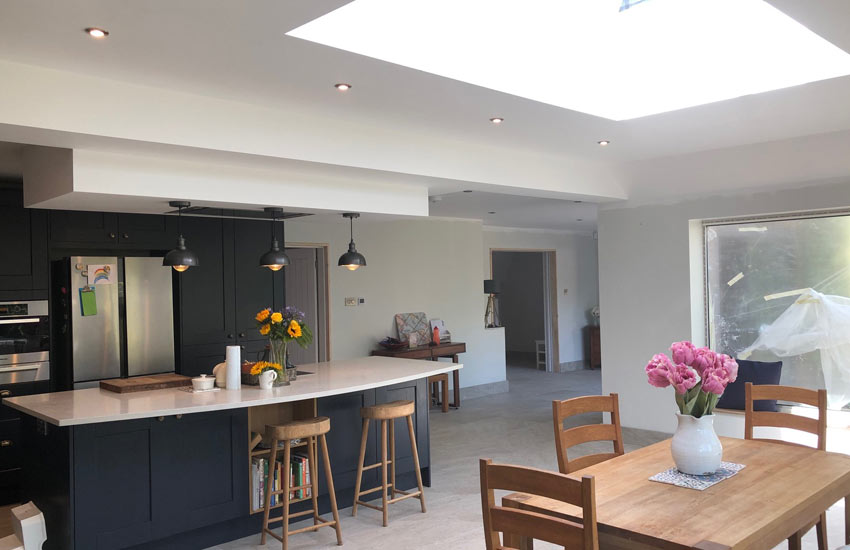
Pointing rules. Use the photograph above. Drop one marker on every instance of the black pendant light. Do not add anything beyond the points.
(180, 258)
(352, 259)
(275, 259)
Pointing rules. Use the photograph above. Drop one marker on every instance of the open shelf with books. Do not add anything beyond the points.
(259, 453)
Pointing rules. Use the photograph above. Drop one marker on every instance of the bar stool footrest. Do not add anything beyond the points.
(405, 496)
(370, 505)
(376, 465)
(372, 490)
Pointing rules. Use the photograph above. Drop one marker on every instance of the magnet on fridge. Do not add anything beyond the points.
(88, 301)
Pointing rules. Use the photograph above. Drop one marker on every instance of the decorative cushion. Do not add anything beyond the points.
(758, 373)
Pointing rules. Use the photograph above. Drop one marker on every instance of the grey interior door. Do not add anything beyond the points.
(302, 293)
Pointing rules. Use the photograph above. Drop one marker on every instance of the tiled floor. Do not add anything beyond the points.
(514, 427)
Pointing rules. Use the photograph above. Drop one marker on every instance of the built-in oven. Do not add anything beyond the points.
(24, 342)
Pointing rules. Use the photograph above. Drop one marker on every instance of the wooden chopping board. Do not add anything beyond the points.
(145, 383)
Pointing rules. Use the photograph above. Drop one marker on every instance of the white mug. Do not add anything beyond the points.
(267, 378)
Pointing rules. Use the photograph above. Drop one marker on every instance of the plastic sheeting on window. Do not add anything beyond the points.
(814, 322)
(629, 3)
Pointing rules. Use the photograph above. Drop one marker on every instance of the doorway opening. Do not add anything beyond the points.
(528, 305)
(307, 290)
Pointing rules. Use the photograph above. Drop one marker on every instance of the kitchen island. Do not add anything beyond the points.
(171, 469)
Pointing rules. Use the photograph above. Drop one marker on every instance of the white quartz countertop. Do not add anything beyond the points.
(90, 406)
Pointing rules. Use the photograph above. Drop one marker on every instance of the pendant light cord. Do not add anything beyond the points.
(351, 221)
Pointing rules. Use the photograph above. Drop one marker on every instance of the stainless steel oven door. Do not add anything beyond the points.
(25, 372)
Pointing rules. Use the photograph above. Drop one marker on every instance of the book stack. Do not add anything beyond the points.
(299, 475)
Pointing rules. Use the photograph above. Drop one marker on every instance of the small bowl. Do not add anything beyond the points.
(392, 344)
(203, 382)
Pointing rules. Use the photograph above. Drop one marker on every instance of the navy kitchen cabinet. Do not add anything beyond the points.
(121, 484)
(23, 250)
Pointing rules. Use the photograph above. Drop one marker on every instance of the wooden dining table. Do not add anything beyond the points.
(781, 490)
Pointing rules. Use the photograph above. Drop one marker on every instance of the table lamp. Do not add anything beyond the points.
(491, 314)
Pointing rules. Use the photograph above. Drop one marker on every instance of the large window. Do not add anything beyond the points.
(757, 269)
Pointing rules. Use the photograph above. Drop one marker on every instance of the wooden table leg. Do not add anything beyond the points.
(456, 382)
(515, 541)
(445, 394)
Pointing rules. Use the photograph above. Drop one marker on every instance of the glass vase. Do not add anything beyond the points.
(291, 370)
(278, 354)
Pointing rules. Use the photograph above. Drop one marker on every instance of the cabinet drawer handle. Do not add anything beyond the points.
(230, 336)
(6, 443)
(126, 236)
(112, 235)
(178, 416)
(5, 393)
(241, 335)
(160, 418)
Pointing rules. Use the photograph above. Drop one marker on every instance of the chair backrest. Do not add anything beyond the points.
(513, 522)
(566, 438)
(815, 398)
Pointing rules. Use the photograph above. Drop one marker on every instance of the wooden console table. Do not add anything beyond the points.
(432, 353)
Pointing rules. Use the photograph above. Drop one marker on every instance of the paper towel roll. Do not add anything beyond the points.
(233, 360)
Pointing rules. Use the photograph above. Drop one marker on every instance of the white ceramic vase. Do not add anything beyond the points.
(266, 379)
(695, 447)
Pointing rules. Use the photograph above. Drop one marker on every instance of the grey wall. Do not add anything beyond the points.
(650, 285)
(521, 300)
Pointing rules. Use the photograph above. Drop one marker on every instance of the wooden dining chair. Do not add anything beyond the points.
(816, 426)
(566, 438)
(517, 525)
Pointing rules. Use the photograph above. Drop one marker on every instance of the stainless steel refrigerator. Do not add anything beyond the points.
(122, 318)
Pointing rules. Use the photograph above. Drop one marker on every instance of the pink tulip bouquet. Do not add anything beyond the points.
(698, 375)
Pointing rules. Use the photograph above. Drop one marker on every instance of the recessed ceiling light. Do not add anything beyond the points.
(96, 32)
(637, 48)
(579, 220)
(491, 212)
(467, 190)
(497, 120)
(342, 86)
(603, 142)
(578, 202)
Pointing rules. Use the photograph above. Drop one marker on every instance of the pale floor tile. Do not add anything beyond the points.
(514, 427)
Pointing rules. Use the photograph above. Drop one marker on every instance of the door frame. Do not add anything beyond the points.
(550, 306)
(323, 291)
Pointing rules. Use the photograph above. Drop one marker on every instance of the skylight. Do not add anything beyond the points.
(590, 55)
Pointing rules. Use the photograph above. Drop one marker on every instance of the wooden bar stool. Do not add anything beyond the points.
(387, 413)
(314, 430)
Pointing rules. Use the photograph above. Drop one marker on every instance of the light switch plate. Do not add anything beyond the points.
(351, 301)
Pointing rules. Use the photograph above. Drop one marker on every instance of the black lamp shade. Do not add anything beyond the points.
(352, 259)
(492, 286)
(180, 257)
(275, 258)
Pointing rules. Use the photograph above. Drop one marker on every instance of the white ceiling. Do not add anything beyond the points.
(238, 51)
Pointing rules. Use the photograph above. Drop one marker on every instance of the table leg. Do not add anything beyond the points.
(847, 520)
(515, 541)
(456, 382)
(445, 394)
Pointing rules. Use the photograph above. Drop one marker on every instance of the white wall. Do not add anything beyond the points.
(646, 285)
(576, 265)
(413, 265)
(521, 302)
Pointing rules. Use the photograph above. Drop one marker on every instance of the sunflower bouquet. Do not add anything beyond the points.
(283, 327)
